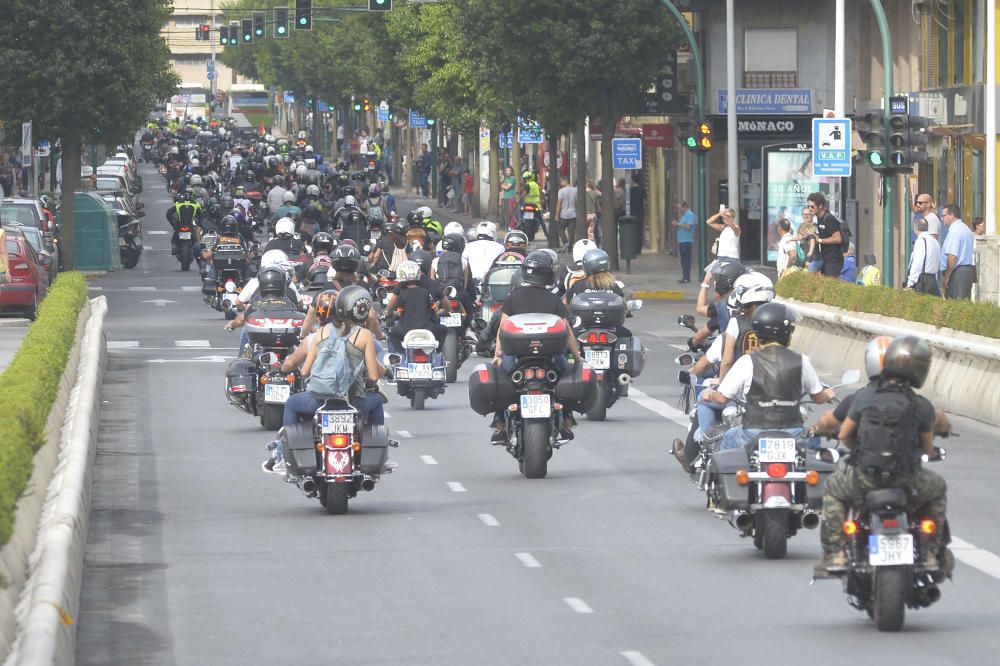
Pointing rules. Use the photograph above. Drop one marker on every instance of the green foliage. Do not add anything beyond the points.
(960, 315)
(28, 388)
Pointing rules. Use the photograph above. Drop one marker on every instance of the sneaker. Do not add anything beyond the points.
(498, 438)
(683, 281)
(831, 565)
(390, 465)
(273, 466)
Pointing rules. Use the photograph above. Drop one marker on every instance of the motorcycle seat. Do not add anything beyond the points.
(885, 499)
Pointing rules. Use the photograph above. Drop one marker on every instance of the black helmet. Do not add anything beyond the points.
(774, 322)
(227, 202)
(229, 225)
(272, 282)
(322, 242)
(278, 179)
(414, 219)
(726, 273)
(346, 259)
(538, 269)
(353, 304)
(453, 243)
(423, 259)
(908, 358)
(401, 227)
(595, 261)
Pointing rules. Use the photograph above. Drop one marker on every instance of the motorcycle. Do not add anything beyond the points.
(420, 371)
(229, 261)
(185, 245)
(616, 361)
(456, 347)
(534, 399)
(336, 455)
(886, 548)
(129, 239)
(528, 219)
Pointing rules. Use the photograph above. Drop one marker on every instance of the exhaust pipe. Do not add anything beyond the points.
(933, 594)
(368, 484)
(624, 380)
(307, 485)
(741, 520)
(810, 520)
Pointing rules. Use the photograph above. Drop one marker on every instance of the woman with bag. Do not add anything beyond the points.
(727, 246)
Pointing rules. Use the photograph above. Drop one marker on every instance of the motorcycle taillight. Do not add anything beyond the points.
(419, 356)
(337, 441)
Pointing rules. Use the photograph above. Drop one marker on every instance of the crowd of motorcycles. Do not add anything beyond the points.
(768, 490)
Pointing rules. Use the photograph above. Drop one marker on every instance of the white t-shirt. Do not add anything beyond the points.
(480, 255)
(729, 244)
(784, 245)
(933, 225)
(715, 351)
(737, 382)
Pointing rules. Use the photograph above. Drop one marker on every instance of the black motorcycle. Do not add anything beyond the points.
(129, 239)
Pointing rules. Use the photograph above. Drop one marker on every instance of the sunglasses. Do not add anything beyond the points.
(921, 203)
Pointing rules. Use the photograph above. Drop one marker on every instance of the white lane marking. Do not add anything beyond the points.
(164, 201)
(636, 658)
(682, 348)
(93, 288)
(658, 406)
(192, 343)
(405, 434)
(123, 344)
(190, 287)
(429, 460)
(975, 557)
(142, 288)
(529, 561)
(456, 487)
(157, 232)
(578, 605)
(489, 520)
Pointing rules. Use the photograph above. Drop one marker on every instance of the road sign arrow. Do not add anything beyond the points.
(160, 302)
(197, 359)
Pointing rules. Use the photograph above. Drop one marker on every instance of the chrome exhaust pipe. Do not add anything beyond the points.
(307, 485)
(552, 376)
(810, 520)
(624, 380)
(368, 484)
(741, 520)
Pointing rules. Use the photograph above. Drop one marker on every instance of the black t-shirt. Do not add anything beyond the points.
(530, 299)
(865, 397)
(827, 226)
(580, 287)
(416, 300)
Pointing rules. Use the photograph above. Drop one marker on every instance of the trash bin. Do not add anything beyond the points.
(629, 237)
(95, 234)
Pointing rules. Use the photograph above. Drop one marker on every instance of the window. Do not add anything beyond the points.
(189, 20)
(770, 58)
(191, 59)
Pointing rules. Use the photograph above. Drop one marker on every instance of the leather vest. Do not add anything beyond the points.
(746, 340)
(776, 389)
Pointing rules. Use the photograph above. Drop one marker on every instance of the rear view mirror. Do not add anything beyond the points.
(687, 321)
(828, 455)
(684, 359)
(268, 358)
(391, 359)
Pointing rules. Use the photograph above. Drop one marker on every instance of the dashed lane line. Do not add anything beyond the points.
(456, 487)
(976, 558)
(636, 658)
(123, 344)
(528, 560)
(192, 343)
(578, 605)
(405, 434)
(428, 460)
(489, 520)
(142, 288)
(659, 407)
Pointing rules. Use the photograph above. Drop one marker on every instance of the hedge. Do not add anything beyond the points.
(960, 315)
(28, 388)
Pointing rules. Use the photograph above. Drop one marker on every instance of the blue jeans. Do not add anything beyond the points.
(815, 266)
(740, 436)
(708, 415)
(244, 341)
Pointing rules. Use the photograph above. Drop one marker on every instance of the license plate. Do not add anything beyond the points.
(529, 216)
(452, 320)
(599, 359)
(277, 393)
(536, 406)
(886, 550)
(337, 423)
(184, 235)
(419, 370)
(776, 449)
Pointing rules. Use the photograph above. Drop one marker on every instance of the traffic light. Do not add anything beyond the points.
(303, 14)
(897, 141)
(366, 105)
(357, 105)
(871, 129)
(704, 136)
(247, 31)
(281, 21)
(234, 33)
(431, 122)
(224, 35)
(916, 139)
(259, 24)
(379, 5)
(203, 32)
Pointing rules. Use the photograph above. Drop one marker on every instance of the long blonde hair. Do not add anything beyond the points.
(602, 281)
(806, 229)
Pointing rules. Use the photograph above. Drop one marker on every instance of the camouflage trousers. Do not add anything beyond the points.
(847, 487)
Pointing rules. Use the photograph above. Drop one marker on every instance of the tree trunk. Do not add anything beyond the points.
(70, 184)
(609, 227)
(515, 161)
(552, 150)
(580, 143)
(496, 177)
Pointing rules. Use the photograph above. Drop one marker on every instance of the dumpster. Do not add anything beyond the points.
(629, 239)
(95, 236)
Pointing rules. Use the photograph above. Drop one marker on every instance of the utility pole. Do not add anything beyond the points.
(211, 39)
(990, 195)
(732, 154)
(838, 61)
(888, 179)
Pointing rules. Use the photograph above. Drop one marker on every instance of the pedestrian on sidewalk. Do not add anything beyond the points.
(685, 238)
(468, 188)
(956, 255)
(637, 205)
(566, 213)
(830, 240)
(456, 173)
(922, 274)
(444, 177)
(424, 170)
(619, 196)
(786, 248)
(508, 195)
(979, 226)
(724, 222)
(592, 225)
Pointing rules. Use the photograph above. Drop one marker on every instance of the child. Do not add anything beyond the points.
(870, 275)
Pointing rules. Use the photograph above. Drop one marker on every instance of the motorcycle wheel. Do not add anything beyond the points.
(891, 584)
(775, 534)
(335, 498)
(184, 256)
(536, 449)
(130, 257)
(599, 411)
(451, 356)
(271, 415)
(419, 396)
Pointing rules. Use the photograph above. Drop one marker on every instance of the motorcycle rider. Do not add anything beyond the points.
(481, 253)
(390, 251)
(451, 269)
(287, 208)
(276, 196)
(314, 269)
(420, 300)
(532, 195)
(723, 273)
(771, 380)
(185, 212)
(887, 429)
(272, 296)
(516, 241)
(284, 238)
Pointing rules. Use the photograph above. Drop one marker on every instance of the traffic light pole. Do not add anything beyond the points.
(215, 73)
(701, 210)
(888, 177)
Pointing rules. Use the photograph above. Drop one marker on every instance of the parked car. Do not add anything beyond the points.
(29, 278)
(37, 240)
(120, 170)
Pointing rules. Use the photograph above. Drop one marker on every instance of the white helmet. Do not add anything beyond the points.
(581, 247)
(310, 163)
(284, 227)
(349, 200)
(174, 150)
(196, 181)
(300, 171)
(269, 138)
(454, 228)
(222, 132)
(309, 148)
(195, 162)
(408, 271)
(752, 289)
(312, 191)
(288, 197)
(485, 230)
(426, 213)
(273, 259)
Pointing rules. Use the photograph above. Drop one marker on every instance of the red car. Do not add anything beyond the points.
(29, 280)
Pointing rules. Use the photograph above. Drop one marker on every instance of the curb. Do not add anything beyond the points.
(658, 295)
(15, 323)
(50, 602)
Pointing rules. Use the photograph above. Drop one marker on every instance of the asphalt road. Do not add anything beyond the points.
(197, 557)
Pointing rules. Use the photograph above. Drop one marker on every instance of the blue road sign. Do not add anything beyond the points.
(382, 114)
(831, 147)
(528, 131)
(626, 153)
(506, 140)
(417, 121)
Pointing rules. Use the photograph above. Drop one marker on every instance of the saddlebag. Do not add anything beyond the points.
(598, 309)
(209, 286)
(577, 389)
(725, 464)
(490, 389)
(241, 380)
(534, 334)
(299, 444)
(374, 449)
(629, 356)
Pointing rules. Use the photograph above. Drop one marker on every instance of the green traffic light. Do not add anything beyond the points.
(281, 29)
(430, 122)
(691, 142)
(875, 159)
(357, 107)
(303, 20)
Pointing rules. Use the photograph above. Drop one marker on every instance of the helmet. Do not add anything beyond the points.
(322, 242)
(414, 219)
(229, 225)
(353, 304)
(875, 355)
(595, 261)
(581, 247)
(195, 162)
(312, 191)
(300, 171)
(774, 322)
(174, 150)
(454, 228)
(471, 234)
(346, 259)
(284, 227)
(324, 305)
(288, 197)
(272, 281)
(486, 231)
(349, 200)
(273, 258)
(374, 190)
(278, 178)
(401, 228)
(196, 181)
(423, 259)
(309, 148)
(433, 226)
(752, 288)
(539, 269)
(516, 239)
(908, 358)
(319, 159)
(226, 201)
(527, 175)
(726, 273)
(425, 212)
(240, 191)
(453, 243)
(408, 271)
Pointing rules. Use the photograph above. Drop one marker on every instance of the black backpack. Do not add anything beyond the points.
(888, 435)
(450, 271)
(845, 236)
